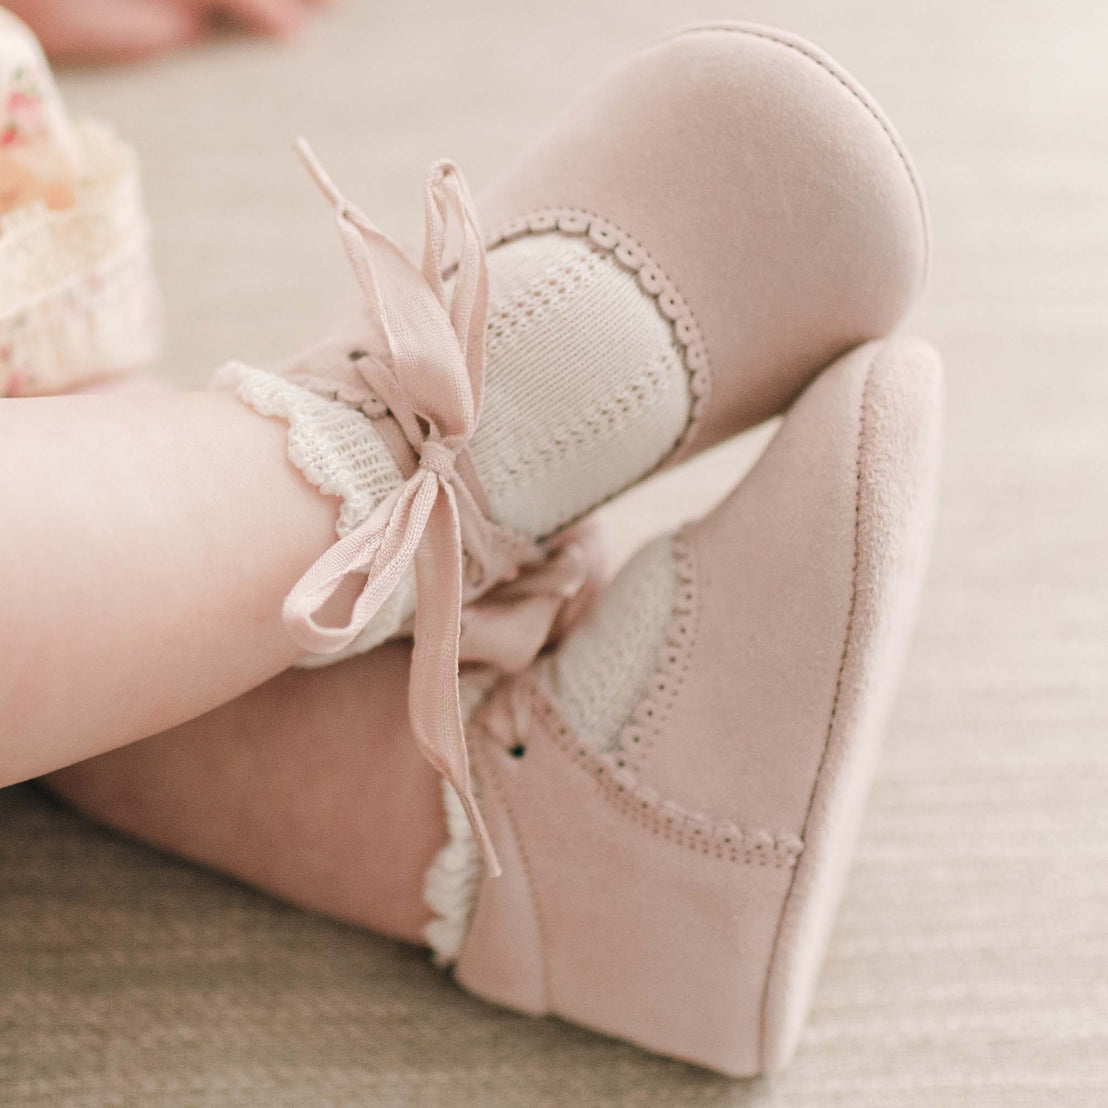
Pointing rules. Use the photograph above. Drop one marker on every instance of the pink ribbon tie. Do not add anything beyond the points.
(426, 362)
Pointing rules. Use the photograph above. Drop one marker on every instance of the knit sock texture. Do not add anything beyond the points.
(585, 388)
(604, 668)
(585, 392)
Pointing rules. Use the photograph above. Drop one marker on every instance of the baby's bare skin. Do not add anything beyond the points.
(96, 31)
(147, 544)
(150, 538)
(311, 787)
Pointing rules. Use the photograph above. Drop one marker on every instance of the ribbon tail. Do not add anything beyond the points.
(449, 206)
(432, 384)
(480, 831)
(383, 547)
(434, 699)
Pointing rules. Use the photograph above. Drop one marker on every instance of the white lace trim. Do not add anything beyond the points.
(340, 453)
(451, 884)
(78, 296)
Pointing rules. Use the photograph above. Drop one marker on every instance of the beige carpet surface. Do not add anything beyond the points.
(969, 965)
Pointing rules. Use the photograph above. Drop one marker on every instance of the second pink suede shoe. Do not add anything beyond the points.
(760, 195)
(675, 794)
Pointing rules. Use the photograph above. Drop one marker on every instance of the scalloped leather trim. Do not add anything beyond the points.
(637, 737)
(646, 807)
(617, 773)
(652, 280)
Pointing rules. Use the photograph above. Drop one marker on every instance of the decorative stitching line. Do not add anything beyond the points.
(637, 737)
(653, 281)
(835, 700)
(493, 776)
(355, 395)
(645, 806)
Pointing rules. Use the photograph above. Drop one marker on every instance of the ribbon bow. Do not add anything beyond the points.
(427, 364)
(509, 626)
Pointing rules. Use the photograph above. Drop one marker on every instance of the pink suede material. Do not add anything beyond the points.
(770, 190)
(518, 979)
(664, 883)
(898, 467)
(641, 939)
(787, 539)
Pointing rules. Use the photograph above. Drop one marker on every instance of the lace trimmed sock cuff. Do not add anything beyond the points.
(340, 453)
(585, 392)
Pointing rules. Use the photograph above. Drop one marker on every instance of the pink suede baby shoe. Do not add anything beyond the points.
(675, 793)
(668, 264)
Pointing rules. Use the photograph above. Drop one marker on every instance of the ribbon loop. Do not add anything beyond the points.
(430, 374)
(428, 368)
(509, 626)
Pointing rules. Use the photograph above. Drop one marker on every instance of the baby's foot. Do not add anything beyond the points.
(675, 794)
(668, 264)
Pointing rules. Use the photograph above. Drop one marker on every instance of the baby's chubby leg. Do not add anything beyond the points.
(147, 542)
(310, 787)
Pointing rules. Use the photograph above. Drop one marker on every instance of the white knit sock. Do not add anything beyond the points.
(586, 391)
(599, 677)
(585, 387)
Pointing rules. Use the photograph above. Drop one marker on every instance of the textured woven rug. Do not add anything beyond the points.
(969, 965)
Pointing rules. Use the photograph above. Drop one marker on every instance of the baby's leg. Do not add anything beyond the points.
(146, 547)
(308, 787)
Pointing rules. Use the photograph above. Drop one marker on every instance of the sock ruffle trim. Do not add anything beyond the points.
(340, 453)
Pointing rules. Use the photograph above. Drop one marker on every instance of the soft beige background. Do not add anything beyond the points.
(970, 961)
